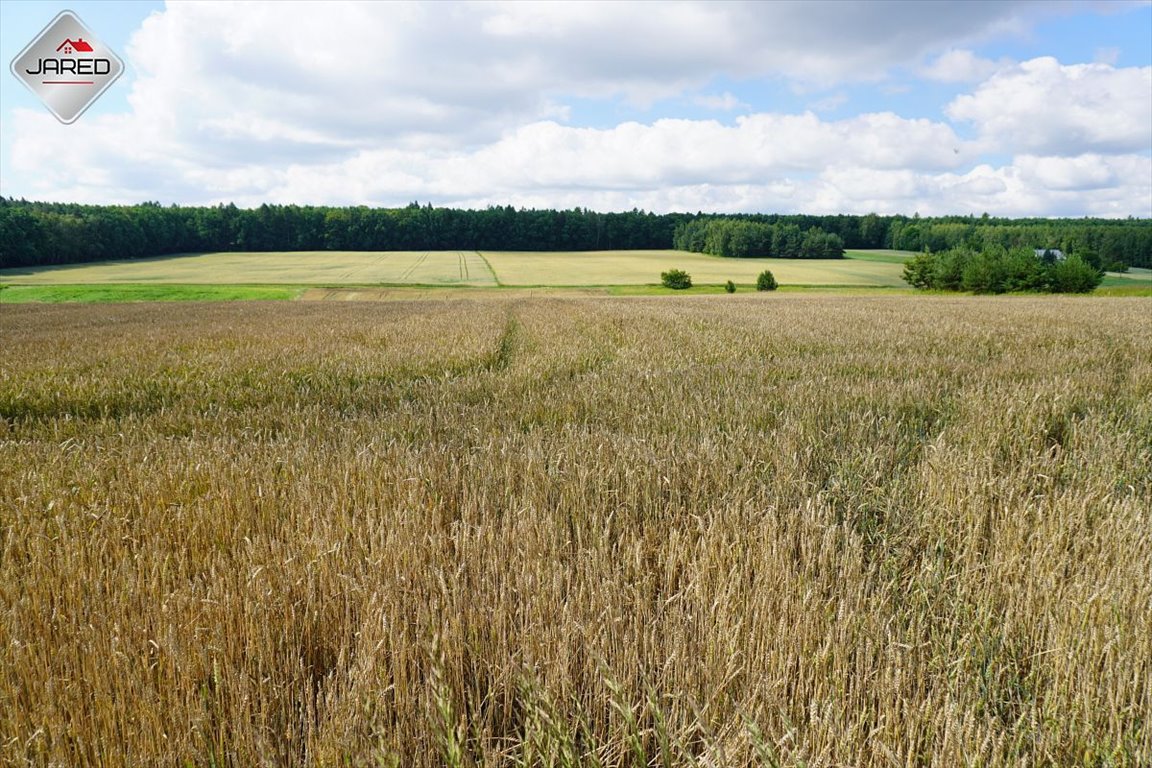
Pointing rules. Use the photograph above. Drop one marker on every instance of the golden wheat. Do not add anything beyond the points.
(724, 531)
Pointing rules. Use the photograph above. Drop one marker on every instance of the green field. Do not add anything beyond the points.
(462, 268)
(119, 292)
(1134, 276)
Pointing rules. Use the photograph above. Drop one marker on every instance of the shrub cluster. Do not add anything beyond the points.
(1000, 270)
(677, 279)
(766, 281)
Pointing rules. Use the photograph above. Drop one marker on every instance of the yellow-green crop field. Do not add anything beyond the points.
(465, 268)
(709, 531)
(644, 267)
(459, 268)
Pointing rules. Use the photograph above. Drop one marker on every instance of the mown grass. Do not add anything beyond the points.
(1134, 282)
(884, 256)
(724, 531)
(1122, 289)
(96, 294)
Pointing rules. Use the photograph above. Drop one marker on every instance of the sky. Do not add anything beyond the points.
(1012, 108)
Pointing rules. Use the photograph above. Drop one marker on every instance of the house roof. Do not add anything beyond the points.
(78, 44)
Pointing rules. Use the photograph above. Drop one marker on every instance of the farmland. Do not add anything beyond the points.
(511, 530)
(289, 268)
(368, 275)
(640, 267)
(459, 268)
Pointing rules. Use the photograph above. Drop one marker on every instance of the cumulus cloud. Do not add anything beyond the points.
(793, 38)
(761, 162)
(441, 74)
(757, 148)
(1045, 107)
(1029, 184)
(1084, 173)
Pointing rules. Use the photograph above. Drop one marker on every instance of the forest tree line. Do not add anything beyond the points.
(40, 234)
(1001, 270)
(742, 239)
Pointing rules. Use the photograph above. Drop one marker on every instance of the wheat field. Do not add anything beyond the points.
(715, 531)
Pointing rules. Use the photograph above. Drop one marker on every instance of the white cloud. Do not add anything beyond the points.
(1084, 173)
(1121, 186)
(1042, 106)
(762, 162)
(961, 66)
(442, 74)
(791, 38)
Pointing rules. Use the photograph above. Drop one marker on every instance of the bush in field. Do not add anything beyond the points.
(676, 279)
(1023, 271)
(730, 287)
(918, 270)
(1074, 275)
(766, 281)
(984, 273)
(948, 271)
(998, 270)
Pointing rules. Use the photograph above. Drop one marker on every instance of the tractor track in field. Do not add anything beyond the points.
(488, 266)
(423, 257)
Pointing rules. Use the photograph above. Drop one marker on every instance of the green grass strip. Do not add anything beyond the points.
(1133, 288)
(118, 293)
(882, 257)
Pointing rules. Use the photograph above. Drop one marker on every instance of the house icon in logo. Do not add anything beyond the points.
(78, 44)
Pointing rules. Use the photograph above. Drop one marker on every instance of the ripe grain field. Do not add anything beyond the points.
(460, 269)
(454, 268)
(516, 268)
(711, 531)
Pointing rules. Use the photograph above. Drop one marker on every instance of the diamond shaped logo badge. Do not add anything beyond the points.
(67, 67)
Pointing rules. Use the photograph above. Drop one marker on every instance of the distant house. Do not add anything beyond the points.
(1050, 254)
(78, 44)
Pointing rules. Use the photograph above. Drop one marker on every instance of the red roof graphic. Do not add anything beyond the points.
(78, 44)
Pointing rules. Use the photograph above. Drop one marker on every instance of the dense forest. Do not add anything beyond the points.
(36, 233)
(1001, 270)
(740, 238)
